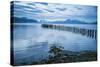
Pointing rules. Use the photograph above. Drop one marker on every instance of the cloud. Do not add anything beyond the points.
(49, 11)
(78, 8)
(43, 3)
(61, 9)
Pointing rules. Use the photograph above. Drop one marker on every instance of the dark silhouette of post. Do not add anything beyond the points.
(85, 32)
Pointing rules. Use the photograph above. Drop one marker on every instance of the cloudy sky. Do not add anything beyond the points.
(55, 11)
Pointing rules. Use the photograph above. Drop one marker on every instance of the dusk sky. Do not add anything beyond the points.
(55, 12)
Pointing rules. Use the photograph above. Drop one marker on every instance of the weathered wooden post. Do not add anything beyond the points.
(95, 34)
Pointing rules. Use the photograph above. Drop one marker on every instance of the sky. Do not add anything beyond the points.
(42, 11)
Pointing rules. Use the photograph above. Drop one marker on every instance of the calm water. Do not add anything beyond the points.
(32, 42)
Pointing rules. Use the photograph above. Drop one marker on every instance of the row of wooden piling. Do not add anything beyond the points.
(85, 32)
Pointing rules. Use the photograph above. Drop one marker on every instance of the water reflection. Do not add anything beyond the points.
(32, 42)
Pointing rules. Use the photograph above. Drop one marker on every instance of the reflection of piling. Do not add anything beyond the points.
(85, 32)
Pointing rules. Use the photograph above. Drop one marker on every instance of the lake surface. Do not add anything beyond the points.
(31, 42)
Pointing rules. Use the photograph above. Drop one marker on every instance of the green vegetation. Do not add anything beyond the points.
(57, 54)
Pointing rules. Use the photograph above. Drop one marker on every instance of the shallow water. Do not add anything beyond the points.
(32, 42)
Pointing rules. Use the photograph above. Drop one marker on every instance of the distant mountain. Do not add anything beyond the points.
(69, 21)
(23, 20)
(74, 21)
